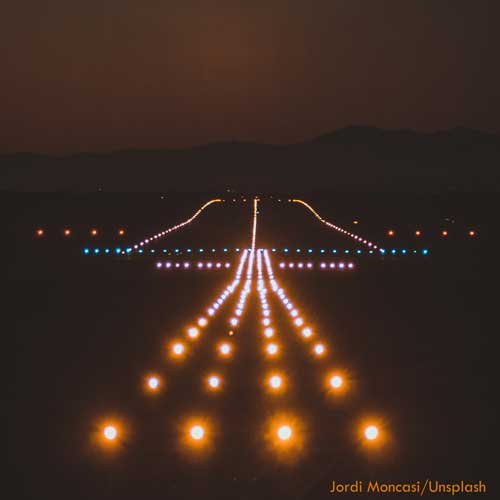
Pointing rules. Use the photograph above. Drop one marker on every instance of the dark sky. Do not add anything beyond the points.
(109, 74)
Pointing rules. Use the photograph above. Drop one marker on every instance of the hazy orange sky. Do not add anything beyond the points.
(103, 75)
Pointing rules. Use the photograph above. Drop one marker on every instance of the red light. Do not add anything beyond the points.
(390, 232)
(121, 232)
(93, 232)
(40, 232)
(444, 233)
(472, 233)
(418, 233)
(67, 232)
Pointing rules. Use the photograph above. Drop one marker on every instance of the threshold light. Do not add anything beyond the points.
(269, 332)
(202, 322)
(153, 383)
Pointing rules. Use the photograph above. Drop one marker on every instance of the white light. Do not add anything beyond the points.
(110, 432)
(202, 322)
(193, 332)
(275, 381)
(371, 432)
(284, 432)
(336, 381)
(272, 349)
(214, 381)
(178, 349)
(269, 332)
(306, 332)
(319, 349)
(197, 432)
(299, 321)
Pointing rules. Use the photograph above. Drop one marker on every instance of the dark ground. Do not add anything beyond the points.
(416, 335)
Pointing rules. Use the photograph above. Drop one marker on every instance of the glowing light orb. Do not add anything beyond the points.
(233, 322)
(39, 232)
(202, 322)
(272, 349)
(121, 232)
(214, 382)
(110, 432)
(93, 232)
(269, 332)
(472, 233)
(275, 381)
(444, 233)
(193, 332)
(178, 349)
(225, 349)
(153, 383)
(307, 332)
(336, 381)
(418, 232)
(67, 232)
(298, 321)
(197, 432)
(319, 349)
(284, 432)
(371, 432)
(390, 232)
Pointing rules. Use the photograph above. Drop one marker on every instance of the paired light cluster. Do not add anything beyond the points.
(337, 228)
(319, 348)
(322, 265)
(192, 265)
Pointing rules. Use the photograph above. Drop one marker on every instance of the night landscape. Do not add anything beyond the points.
(250, 249)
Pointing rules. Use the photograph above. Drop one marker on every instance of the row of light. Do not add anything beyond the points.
(337, 228)
(68, 232)
(322, 265)
(284, 432)
(193, 265)
(178, 348)
(272, 348)
(444, 233)
(247, 288)
(128, 250)
(163, 233)
(319, 348)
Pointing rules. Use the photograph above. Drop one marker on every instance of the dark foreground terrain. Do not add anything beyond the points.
(415, 334)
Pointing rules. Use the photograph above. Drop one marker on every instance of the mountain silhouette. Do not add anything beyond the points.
(359, 158)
